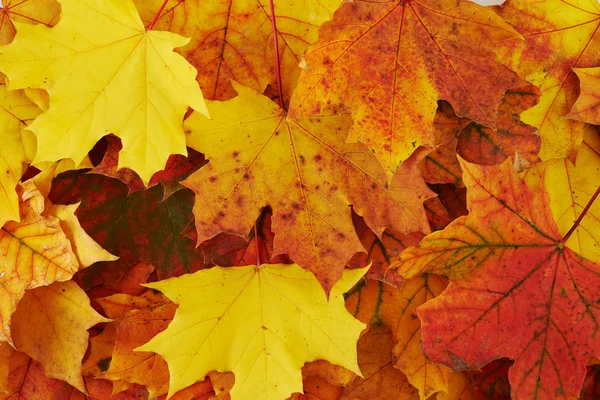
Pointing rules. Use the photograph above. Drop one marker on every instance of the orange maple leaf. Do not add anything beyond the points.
(425, 51)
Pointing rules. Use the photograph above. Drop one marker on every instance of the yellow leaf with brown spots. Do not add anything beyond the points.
(303, 169)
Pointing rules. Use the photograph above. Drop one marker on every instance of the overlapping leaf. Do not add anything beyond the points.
(233, 39)
(570, 188)
(260, 322)
(139, 319)
(33, 252)
(136, 227)
(379, 304)
(587, 106)
(16, 112)
(380, 381)
(515, 289)
(44, 12)
(425, 51)
(50, 325)
(482, 145)
(306, 173)
(560, 35)
(140, 93)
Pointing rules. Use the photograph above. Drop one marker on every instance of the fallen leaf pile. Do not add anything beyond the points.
(303, 200)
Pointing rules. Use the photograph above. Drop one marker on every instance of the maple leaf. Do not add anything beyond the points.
(481, 145)
(50, 325)
(591, 385)
(140, 93)
(260, 322)
(44, 12)
(233, 39)
(441, 165)
(425, 51)
(227, 250)
(27, 380)
(16, 111)
(489, 383)
(513, 279)
(33, 252)
(381, 380)
(381, 252)
(586, 107)
(136, 227)
(6, 352)
(177, 169)
(315, 388)
(306, 173)
(560, 35)
(570, 188)
(139, 319)
(379, 304)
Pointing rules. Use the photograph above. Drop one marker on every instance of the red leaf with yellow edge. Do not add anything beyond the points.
(380, 381)
(50, 325)
(489, 383)
(425, 50)
(44, 12)
(482, 145)
(560, 35)
(441, 165)
(233, 39)
(515, 289)
(379, 304)
(34, 252)
(139, 319)
(306, 173)
(587, 106)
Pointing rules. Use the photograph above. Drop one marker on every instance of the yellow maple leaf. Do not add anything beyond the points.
(570, 188)
(260, 322)
(50, 325)
(105, 74)
(16, 111)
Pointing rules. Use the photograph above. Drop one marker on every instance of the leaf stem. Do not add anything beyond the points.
(585, 210)
(257, 245)
(160, 10)
(277, 60)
